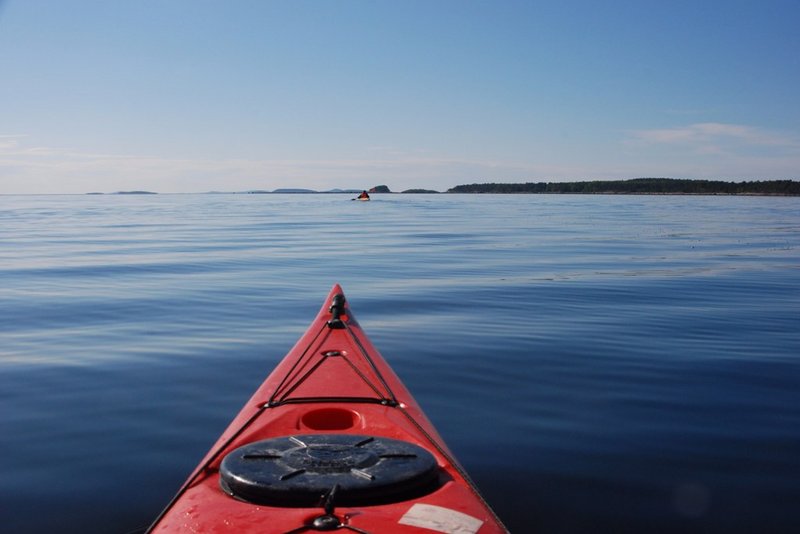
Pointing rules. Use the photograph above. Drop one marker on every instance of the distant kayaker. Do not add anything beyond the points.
(363, 196)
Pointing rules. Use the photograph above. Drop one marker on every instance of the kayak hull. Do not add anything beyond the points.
(331, 440)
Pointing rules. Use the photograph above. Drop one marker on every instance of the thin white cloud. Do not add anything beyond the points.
(10, 141)
(717, 151)
(710, 133)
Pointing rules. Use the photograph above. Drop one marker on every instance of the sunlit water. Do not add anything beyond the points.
(597, 363)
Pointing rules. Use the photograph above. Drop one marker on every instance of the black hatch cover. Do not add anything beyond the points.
(300, 470)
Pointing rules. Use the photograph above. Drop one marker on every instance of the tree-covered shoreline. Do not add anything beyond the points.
(654, 186)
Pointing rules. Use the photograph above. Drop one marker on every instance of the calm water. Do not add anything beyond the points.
(598, 363)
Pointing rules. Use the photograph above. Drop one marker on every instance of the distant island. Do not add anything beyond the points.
(651, 186)
(124, 193)
(298, 191)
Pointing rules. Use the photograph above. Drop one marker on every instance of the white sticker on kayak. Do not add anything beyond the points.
(440, 519)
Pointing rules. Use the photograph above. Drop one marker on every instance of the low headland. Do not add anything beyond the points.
(640, 186)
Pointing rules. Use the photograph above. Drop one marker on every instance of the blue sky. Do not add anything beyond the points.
(195, 95)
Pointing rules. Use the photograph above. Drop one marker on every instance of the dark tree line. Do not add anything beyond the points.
(642, 186)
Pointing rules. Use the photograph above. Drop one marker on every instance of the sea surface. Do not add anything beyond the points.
(597, 363)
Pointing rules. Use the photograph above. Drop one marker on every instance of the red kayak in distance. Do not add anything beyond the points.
(332, 440)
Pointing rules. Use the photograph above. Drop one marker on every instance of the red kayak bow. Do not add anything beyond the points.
(332, 440)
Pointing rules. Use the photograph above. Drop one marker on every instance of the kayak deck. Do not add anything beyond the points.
(331, 440)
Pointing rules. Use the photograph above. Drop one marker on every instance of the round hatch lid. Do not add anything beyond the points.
(299, 470)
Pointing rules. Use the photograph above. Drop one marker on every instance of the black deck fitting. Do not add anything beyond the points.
(337, 310)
